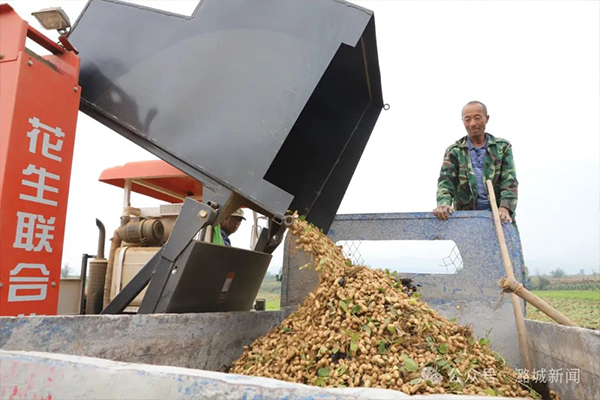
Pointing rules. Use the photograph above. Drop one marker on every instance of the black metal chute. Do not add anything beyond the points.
(273, 100)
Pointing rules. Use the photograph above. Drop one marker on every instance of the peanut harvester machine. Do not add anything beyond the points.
(269, 104)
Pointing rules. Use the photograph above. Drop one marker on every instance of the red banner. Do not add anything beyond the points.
(40, 101)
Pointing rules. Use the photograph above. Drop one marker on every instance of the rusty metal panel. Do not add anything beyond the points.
(274, 100)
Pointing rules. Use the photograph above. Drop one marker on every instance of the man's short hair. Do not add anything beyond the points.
(475, 102)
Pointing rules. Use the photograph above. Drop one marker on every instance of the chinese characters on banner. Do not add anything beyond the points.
(34, 232)
(37, 153)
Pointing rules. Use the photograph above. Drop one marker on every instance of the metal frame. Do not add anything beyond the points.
(193, 217)
(84, 263)
(470, 295)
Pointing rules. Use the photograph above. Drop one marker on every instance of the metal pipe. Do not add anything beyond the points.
(288, 220)
(84, 262)
(208, 234)
(95, 288)
(95, 285)
(127, 193)
(115, 243)
(101, 238)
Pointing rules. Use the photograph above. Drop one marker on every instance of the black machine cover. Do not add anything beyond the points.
(273, 100)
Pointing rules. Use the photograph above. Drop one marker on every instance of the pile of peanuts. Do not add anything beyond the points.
(360, 329)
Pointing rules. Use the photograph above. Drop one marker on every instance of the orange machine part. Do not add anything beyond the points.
(156, 179)
(38, 114)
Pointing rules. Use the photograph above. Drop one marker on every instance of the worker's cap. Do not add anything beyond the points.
(238, 213)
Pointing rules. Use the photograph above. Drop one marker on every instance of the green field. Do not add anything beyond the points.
(581, 306)
(270, 290)
(569, 294)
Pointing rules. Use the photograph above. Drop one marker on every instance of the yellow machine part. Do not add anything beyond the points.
(129, 260)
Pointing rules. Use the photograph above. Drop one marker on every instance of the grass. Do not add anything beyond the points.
(569, 294)
(581, 306)
(270, 290)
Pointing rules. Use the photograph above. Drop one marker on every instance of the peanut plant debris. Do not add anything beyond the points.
(360, 329)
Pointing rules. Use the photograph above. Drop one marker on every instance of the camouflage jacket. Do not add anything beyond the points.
(457, 184)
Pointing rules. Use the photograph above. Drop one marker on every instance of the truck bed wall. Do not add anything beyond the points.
(203, 341)
(572, 353)
(210, 341)
(43, 375)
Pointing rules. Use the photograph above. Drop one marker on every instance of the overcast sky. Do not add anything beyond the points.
(534, 64)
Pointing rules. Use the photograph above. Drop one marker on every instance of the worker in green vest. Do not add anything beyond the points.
(228, 227)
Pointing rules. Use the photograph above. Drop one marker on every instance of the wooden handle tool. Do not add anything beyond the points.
(516, 302)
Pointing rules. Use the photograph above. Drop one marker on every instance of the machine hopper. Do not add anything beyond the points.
(270, 102)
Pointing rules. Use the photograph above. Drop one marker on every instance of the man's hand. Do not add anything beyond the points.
(443, 212)
(504, 215)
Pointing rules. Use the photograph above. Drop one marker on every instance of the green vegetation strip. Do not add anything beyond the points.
(581, 306)
(569, 294)
(270, 290)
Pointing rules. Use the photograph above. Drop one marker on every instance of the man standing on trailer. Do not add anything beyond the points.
(472, 160)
